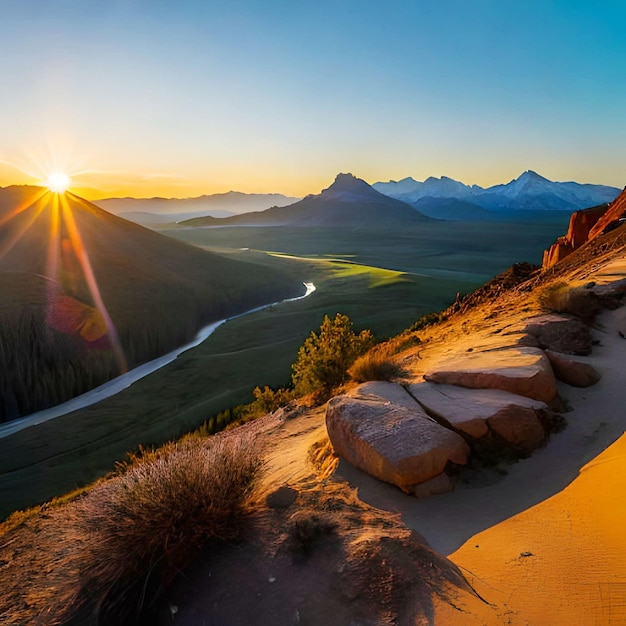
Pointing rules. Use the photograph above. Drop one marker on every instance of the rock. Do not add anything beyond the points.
(382, 390)
(556, 252)
(481, 412)
(610, 217)
(610, 294)
(560, 333)
(582, 225)
(571, 371)
(524, 371)
(391, 442)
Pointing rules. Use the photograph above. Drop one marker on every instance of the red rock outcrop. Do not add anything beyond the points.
(584, 226)
(610, 218)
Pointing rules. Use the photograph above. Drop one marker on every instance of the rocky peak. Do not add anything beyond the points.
(347, 185)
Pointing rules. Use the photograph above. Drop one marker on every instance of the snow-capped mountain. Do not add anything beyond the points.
(530, 191)
(411, 190)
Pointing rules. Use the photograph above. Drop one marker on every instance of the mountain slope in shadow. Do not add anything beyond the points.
(86, 295)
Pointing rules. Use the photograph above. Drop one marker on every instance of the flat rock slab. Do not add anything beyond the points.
(391, 442)
(480, 412)
(523, 371)
(386, 391)
(571, 371)
(560, 333)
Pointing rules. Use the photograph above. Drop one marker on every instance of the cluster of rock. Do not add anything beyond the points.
(485, 403)
(584, 226)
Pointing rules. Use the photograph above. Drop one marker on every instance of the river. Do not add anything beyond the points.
(120, 383)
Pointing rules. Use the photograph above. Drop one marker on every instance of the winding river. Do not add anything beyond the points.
(120, 383)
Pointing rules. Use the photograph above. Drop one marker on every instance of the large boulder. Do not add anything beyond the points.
(394, 443)
(480, 413)
(571, 371)
(560, 333)
(524, 371)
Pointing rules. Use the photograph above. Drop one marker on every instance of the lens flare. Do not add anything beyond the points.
(70, 309)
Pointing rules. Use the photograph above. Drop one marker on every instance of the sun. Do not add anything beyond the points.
(58, 182)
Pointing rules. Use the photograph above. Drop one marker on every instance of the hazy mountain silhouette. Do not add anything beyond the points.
(349, 201)
(215, 205)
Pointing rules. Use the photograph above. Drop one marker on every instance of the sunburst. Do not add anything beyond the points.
(58, 182)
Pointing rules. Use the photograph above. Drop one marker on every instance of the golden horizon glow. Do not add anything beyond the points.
(58, 182)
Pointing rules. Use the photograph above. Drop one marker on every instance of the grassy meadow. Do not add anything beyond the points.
(383, 281)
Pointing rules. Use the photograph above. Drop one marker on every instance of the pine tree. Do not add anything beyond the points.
(324, 358)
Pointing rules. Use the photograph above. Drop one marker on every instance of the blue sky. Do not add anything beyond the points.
(178, 98)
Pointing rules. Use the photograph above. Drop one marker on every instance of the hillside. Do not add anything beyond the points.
(540, 532)
(349, 201)
(86, 295)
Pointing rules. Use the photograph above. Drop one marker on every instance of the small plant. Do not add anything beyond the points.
(128, 537)
(267, 400)
(375, 365)
(427, 320)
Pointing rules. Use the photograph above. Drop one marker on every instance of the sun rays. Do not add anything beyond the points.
(74, 301)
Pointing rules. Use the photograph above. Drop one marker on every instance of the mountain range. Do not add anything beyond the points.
(158, 210)
(530, 192)
(349, 201)
(441, 198)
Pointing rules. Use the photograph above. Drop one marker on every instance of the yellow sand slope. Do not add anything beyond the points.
(560, 562)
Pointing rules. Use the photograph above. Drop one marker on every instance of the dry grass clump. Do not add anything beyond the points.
(110, 553)
(323, 458)
(375, 365)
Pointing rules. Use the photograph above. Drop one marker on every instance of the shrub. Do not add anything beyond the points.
(130, 535)
(375, 365)
(427, 320)
(323, 360)
(267, 400)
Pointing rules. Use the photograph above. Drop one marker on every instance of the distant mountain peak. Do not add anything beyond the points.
(348, 182)
(347, 186)
(531, 174)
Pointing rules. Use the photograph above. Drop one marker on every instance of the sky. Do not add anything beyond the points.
(179, 98)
